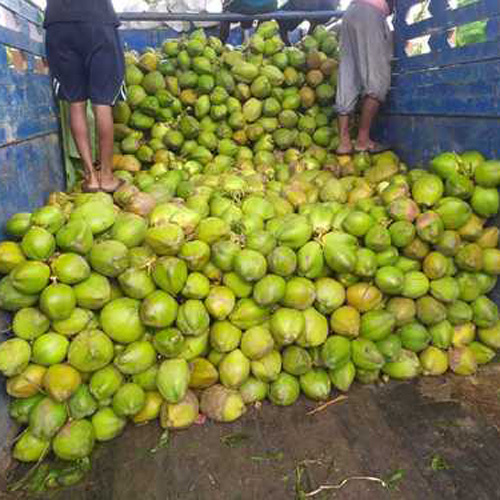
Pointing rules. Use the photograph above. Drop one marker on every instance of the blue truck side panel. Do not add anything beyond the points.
(29, 167)
(448, 98)
(419, 138)
(30, 160)
(30, 157)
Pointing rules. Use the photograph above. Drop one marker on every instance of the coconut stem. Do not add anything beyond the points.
(22, 482)
(326, 487)
(324, 406)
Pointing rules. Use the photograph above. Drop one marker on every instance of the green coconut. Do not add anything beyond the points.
(47, 418)
(30, 448)
(222, 404)
(30, 277)
(82, 404)
(173, 380)
(107, 424)
(15, 355)
(92, 293)
(90, 350)
(61, 381)
(120, 320)
(11, 255)
(105, 382)
(58, 301)
(74, 441)
(29, 323)
(136, 357)
(70, 268)
(158, 310)
(285, 390)
(38, 244)
(50, 348)
(128, 400)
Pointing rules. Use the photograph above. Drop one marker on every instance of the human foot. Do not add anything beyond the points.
(370, 147)
(109, 183)
(91, 182)
(345, 148)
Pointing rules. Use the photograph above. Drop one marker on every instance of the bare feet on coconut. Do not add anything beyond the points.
(109, 183)
(91, 182)
(370, 147)
(345, 148)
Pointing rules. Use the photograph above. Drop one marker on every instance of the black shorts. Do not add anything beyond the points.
(86, 62)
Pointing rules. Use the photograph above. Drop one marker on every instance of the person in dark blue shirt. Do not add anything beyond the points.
(247, 7)
(86, 62)
(304, 5)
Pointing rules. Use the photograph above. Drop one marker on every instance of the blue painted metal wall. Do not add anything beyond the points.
(449, 98)
(30, 158)
(30, 164)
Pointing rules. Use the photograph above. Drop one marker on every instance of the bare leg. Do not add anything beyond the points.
(312, 26)
(80, 132)
(246, 27)
(97, 159)
(246, 36)
(104, 120)
(225, 28)
(368, 113)
(345, 146)
(284, 33)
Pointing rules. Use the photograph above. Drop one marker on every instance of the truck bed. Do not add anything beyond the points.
(434, 439)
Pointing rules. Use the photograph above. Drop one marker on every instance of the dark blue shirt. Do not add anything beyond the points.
(89, 11)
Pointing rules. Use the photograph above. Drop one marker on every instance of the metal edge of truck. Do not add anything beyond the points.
(30, 159)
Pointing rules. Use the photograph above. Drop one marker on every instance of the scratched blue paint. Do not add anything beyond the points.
(419, 138)
(444, 18)
(438, 27)
(451, 56)
(30, 157)
(23, 8)
(26, 102)
(29, 172)
(28, 18)
(448, 99)
(19, 40)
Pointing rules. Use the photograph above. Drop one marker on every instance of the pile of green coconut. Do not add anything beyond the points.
(242, 261)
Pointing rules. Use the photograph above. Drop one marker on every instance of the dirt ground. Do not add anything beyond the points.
(432, 439)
